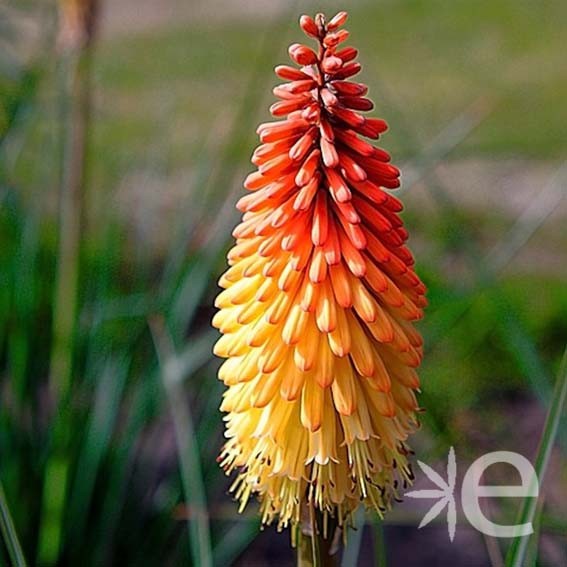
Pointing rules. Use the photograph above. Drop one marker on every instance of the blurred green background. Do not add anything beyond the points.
(118, 466)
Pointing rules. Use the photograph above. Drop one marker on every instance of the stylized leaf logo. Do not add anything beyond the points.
(445, 494)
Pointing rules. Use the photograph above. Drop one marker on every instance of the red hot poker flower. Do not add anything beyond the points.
(318, 302)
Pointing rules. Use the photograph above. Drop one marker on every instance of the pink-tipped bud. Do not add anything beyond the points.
(333, 39)
(302, 54)
(337, 21)
(290, 73)
(331, 64)
(311, 113)
(357, 103)
(350, 89)
(329, 99)
(309, 26)
(348, 70)
(347, 54)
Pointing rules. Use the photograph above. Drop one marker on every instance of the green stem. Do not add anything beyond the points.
(76, 66)
(314, 550)
(9, 533)
(77, 94)
(306, 552)
(517, 552)
(172, 374)
(380, 544)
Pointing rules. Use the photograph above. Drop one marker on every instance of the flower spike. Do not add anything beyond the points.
(319, 302)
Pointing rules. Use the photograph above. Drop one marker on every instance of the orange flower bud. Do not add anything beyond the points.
(337, 21)
(302, 54)
(331, 64)
(309, 26)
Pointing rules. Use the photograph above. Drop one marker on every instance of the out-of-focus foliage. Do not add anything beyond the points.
(175, 108)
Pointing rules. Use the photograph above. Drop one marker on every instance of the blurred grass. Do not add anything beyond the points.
(9, 535)
(442, 57)
(174, 126)
(518, 551)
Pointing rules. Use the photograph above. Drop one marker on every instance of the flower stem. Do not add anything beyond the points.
(9, 533)
(77, 41)
(306, 551)
(313, 549)
(76, 67)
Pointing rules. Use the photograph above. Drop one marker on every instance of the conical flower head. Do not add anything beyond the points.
(318, 302)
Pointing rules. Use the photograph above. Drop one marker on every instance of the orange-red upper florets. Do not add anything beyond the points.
(315, 163)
